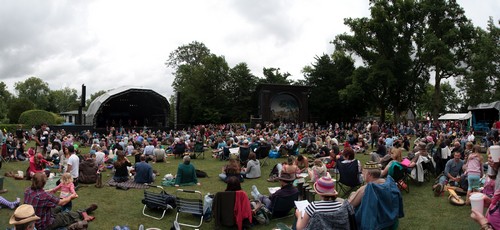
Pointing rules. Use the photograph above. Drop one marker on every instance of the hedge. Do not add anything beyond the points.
(36, 117)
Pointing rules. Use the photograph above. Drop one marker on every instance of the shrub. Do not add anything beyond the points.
(36, 117)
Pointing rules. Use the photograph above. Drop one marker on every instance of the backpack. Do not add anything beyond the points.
(201, 174)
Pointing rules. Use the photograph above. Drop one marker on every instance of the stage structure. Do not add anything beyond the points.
(129, 107)
(283, 103)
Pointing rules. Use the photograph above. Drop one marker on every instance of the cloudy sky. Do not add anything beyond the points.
(107, 44)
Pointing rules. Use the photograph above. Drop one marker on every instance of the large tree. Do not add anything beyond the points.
(274, 76)
(327, 77)
(17, 107)
(394, 73)
(200, 81)
(63, 100)
(443, 42)
(35, 90)
(5, 98)
(481, 83)
(240, 91)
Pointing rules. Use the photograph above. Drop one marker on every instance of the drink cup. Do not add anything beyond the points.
(477, 202)
(495, 152)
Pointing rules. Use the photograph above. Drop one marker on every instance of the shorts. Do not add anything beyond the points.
(473, 182)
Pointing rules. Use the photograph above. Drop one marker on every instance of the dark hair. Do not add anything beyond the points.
(71, 149)
(300, 157)
(143, 158)
(233, 184)
(348, 153)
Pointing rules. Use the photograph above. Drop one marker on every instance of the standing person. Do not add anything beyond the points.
(39, 138)
(67, 189)
(73, 165)
(474, 170)
(374, 129)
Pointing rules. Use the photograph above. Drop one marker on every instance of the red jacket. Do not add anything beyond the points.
(242, 209)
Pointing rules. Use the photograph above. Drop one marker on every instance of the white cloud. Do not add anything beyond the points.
(107, 44)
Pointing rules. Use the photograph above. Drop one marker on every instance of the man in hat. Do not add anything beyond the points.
(287, 189)
(24, 218)
(48, 207)
(371, 174)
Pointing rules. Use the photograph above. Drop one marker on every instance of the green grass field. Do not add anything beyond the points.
(119, 207)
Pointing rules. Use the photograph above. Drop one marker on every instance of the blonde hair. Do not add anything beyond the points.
(318, 162)
(66, 178)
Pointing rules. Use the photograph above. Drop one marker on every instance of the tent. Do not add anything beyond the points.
(484, 115)
(455, 116)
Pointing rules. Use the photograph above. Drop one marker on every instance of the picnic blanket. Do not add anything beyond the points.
(171, 183)
(127, 184)
(51, 182)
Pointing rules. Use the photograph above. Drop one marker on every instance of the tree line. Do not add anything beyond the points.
(383, 66)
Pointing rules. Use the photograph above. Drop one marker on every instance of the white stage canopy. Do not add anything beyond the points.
(455, 116)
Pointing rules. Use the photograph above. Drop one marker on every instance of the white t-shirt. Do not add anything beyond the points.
(99, 157)
(74, 161)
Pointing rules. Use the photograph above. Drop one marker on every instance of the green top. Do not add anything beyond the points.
(186, 174)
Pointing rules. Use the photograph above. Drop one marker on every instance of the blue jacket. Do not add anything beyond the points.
(143, 173)
(381, 206)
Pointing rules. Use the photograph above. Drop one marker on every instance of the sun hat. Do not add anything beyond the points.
(23, 214)
(325, 186)
(287, 177)
(371, 165)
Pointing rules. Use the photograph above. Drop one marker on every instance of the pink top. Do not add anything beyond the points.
(473, 165)
(493, 212)
(66, 189)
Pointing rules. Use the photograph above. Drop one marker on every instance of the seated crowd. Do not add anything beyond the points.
(444, 152)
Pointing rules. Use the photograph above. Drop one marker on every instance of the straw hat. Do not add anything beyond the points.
(325, 186)
(23, 214)
(371, 165)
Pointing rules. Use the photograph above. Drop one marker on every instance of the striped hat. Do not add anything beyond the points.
(325, 186)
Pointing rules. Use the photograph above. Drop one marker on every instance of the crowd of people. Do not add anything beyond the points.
(444, 149)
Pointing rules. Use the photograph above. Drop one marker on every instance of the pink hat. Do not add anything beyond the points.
(325, 186)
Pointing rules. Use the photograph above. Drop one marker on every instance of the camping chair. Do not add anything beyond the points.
(157, 201)
(190, 202)
(263, 154)
(244, 153)
(5, 155)
(282, 205)
(348, 177)
(223, 209)
(199, 150)
(399, 173)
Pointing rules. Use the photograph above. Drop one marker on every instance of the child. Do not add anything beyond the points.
(317, 171)
(474, 170)
(67, 189)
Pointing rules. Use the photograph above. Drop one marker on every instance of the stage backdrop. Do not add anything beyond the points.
(287, 103)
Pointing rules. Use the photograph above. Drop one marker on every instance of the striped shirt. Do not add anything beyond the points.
(322, 206)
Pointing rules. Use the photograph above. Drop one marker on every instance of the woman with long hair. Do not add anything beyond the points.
(121, 164)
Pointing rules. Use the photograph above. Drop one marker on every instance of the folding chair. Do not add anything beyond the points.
(199, 150)
(400, 174)
(283, 205)
(263, 154)
(157, 201)
(244, 153)
(190, 202)
(348, 177)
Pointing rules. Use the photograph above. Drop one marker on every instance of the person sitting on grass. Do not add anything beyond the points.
(231, 169)
(252, 170)
(287, 189)
(371, 174)
(302, 163)
(452, 174)
(48, 206)
(88, 170)
(395, 154)
(289, 167)
(24, 218)
(121, 170)
(9, 204)
(159, 154)
(143, 172)
(325, 188)
(186, 173)
(317, 171)
(37, 164)
(233, 184)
